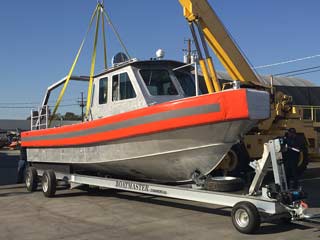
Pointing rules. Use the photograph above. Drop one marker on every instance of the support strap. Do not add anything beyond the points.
(99, 11)
(93, 62)
(72, 67)
(104, 42)
(115, 32)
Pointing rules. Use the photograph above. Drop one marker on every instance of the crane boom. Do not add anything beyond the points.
(219, 40)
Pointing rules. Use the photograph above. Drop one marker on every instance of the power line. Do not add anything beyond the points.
(66, 105)
(28, 103)
(17, 103)
(286, 62)
(29, 107)
(14, 107)
(303, 73)
(296, 71)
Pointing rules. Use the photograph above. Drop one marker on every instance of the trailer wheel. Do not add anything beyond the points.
(49, 183)
(224, 184)
(245, 217)
(31, 179)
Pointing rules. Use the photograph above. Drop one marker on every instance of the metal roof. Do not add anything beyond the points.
(13, 124)
(278, 81)
(24, 125)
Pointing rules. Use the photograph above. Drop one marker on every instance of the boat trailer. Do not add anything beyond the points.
(259, 204)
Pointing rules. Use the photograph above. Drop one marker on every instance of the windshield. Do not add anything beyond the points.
(187, 83)
(158, 82)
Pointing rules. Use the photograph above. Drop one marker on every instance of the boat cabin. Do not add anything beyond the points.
(127, 86)
(137, 84)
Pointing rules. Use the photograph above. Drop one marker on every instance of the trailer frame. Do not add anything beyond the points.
(248, 210)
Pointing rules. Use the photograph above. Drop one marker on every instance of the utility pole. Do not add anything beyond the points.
(189, 53)
(82, 104)
(188, 50)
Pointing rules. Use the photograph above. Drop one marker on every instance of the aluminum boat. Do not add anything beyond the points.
(148, 121)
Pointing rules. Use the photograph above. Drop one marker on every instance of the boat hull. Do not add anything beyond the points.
(166, 156)
(191, 138)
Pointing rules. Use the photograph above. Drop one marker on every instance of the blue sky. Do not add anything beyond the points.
(39, 39)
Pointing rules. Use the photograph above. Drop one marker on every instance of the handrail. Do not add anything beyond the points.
(39, 120)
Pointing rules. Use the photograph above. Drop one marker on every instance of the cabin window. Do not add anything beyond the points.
(103, 90)
(186, 83)
(158, 82)
(122, 87)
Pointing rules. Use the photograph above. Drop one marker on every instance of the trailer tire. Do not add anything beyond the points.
(49, 183)
(224, 184)
(31, 179)
(245, 217)
(243, 160)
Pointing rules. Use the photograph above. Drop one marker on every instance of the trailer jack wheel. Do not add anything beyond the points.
(49, 183)
(31, 179)
(245, 217)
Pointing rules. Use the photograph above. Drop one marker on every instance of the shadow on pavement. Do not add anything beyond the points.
(279, 228)
(222, 211)
(8, 167)
(11, 194)
(270, 228)
(12, 187)
(310, 183)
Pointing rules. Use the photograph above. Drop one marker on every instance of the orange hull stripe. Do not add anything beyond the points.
(233, 106)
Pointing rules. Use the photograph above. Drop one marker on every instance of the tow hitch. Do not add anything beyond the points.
(291, 200)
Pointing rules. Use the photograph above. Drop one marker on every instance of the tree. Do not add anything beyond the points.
(70, 116)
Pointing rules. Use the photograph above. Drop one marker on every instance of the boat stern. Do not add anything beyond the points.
(258, 104)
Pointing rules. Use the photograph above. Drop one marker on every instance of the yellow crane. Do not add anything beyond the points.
(201, 16)
(212, 31)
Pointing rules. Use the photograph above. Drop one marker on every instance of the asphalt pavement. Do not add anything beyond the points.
(113, 214)
(8, 166)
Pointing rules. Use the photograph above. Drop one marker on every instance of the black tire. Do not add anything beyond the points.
(49, 183)
(245, 217)
(31, 179)
(224, 184)
(242, 166)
